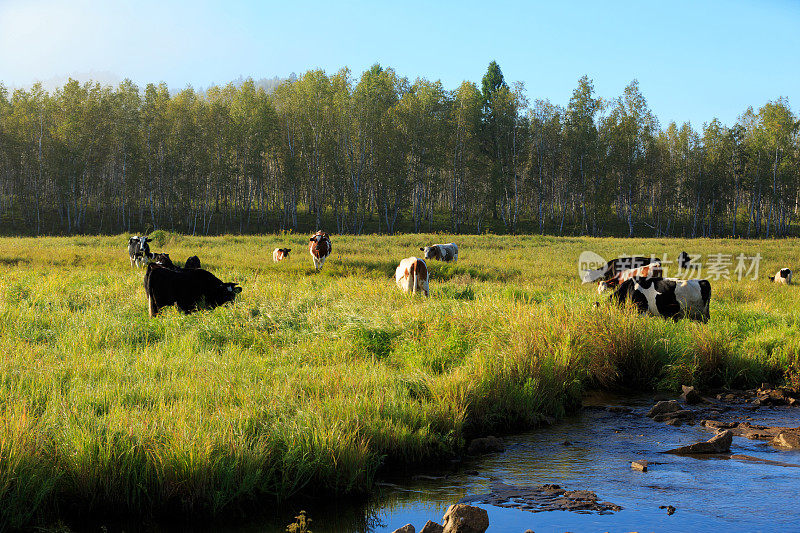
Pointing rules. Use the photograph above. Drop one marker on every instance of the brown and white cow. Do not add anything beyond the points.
(615, 266)
(782, 276)
(320, 248)
(412, 275)
(653, 270)
(441, 252)
(279, 254)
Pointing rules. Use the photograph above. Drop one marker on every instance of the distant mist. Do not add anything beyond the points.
(112, 79)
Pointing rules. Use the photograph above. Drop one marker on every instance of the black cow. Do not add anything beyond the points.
(192, 262)
(667, 297)
(188, 289)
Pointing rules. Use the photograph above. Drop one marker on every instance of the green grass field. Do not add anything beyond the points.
(312, 383)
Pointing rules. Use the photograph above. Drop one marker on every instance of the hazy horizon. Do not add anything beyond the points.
(694, 62)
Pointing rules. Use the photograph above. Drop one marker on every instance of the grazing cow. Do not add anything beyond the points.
(139, 250)
(412, 275)
(188, 289)
(441, 252)
(667, 297)
(193, 262)
(320, 248)
(782, 276)
(615, 266)
(653, 270)
(279, 254)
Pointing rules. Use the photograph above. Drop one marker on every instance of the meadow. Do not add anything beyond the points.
(318, 383)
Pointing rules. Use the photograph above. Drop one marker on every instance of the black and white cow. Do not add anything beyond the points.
(782, 276)
(188, 289)
(441, 252)
(139, 250)
(666, 297)
(615, 266)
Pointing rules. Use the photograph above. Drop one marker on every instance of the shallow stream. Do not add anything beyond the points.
(714, 493)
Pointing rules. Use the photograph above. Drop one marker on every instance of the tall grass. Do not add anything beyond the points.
(315, 382)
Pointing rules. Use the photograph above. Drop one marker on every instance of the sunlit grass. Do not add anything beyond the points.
(313, 382)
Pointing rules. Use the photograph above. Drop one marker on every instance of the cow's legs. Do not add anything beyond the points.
(152, 306)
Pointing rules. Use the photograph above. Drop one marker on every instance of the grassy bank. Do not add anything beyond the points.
(314, 382)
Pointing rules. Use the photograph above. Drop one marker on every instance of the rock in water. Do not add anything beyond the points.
(461, 518)
(640, 465)
(670, 509)
(690, 395)
(719, 443)
(408, 528)
(663, 407)
(431, 527)
(787, 439)
(547, 497)
(485, 445)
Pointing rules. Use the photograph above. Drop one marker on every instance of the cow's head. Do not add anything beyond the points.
(609, 285)
(226, 292)
(431, 252)
(162, 259)
(192, 262)
(319, 236)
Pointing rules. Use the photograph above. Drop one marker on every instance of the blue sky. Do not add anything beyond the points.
(694, 60)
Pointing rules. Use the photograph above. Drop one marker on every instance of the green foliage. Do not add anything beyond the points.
(380, 153)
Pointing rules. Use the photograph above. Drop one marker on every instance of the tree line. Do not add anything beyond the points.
(380, 153)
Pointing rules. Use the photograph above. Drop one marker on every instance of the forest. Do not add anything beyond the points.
(382, 154)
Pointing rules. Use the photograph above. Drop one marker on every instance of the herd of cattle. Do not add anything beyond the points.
(638, 280)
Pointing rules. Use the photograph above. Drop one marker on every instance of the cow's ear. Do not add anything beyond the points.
(288, 250)
(148, 239)
(422, 249)
(311, 239)
(237, 290)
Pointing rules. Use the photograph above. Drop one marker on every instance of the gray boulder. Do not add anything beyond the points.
(408, 528)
